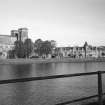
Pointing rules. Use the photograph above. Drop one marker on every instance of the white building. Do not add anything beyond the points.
(6, 44)
(79, 52)
(7, 41)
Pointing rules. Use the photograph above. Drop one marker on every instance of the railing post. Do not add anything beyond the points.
(100, 88)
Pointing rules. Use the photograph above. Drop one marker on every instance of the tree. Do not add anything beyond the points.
(28, 47)
(19, 49)
(11, 54)
(85, 48)
(44, 47)
(37, 42)
(37, 46)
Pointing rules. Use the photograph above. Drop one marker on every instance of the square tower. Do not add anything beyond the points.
(22, 34)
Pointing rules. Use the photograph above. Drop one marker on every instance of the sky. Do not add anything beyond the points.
(68, 22)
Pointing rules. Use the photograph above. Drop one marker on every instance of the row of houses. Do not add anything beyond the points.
(80, 52)
(85, 51)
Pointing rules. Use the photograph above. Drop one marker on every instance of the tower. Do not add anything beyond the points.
(22, 34)
(14, 33)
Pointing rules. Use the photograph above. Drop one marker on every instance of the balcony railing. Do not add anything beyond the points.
(99, 78)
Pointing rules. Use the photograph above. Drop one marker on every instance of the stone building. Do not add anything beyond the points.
(20, 34)
(79, 52)
(7, 41)
(6, 44)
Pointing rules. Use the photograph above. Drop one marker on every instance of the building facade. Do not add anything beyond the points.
(7, 41)
(80, 52)
(20, 34)
(6, 44)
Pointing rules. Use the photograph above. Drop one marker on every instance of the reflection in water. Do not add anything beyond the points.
(47, 92)
(86, 67)
(15, 71)
(42, 69)
(5, 71)
(21, 70)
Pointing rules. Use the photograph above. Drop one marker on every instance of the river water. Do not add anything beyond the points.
(48, 92)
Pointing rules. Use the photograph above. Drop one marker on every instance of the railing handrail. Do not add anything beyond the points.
(47, 77)
(76, 100)
(64, 76)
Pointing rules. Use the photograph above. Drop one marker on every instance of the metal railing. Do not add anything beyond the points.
(99, 77)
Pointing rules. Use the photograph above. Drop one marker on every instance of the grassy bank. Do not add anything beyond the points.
(39, 60)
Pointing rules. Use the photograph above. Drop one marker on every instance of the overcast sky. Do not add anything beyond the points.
(69, 22)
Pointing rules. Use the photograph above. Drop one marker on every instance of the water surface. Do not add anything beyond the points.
(48, 92)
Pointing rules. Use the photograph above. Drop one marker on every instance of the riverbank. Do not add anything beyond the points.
(54, 60)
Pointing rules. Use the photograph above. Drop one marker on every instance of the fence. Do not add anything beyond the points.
(99, 77)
